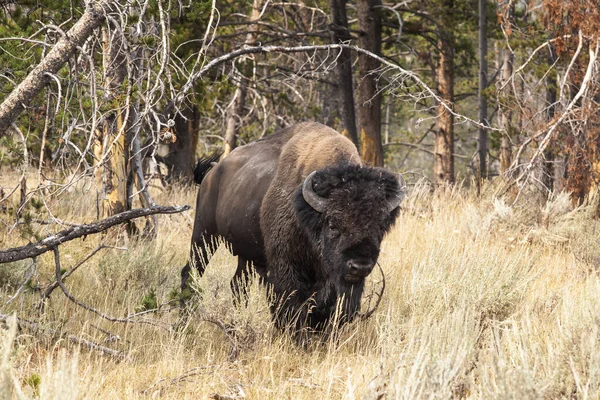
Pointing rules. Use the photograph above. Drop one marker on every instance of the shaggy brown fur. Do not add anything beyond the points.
(312, 259)
(228, 206)
(307, 251)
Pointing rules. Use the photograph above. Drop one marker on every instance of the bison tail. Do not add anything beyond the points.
(204, 165)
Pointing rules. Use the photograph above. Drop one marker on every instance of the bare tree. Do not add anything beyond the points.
(504, 109)
(443, 163)
(369, 98)
(13, 105)
(343, 87)
(100, 121)
(482, 145)
(559, 122)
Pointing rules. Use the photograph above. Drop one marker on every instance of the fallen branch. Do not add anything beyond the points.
(50, 288)
(49, 243)
(366, 315)
(36, 328)
(228, 328)
(229, 331)
(127, 319)
(165, 383)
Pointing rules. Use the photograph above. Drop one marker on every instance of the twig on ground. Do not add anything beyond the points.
(126, 320)
(36, 328)
(366, 315)
(174, 381)
(229, 331)
(50, 288)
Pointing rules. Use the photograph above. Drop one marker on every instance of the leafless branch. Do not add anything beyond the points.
(366, 315)
(38, 329)
(22, 95)
(50, 288)
(50, 242)
(188, 86)
(556, 123)
(128, 319)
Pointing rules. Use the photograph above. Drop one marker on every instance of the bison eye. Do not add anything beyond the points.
(333, 231)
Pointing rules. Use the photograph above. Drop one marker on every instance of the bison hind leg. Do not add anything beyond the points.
(200, 253)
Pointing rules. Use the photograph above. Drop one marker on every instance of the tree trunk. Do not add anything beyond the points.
(113, 133)
(369, 109)
(35, 81)
(482, 145)
(135, 174)
(443, 164)
(239, 97)
(343, 90)
(550, 157)
(504, 111)
(181, 152)
(114, 175)
(388, 106)
(234, 114)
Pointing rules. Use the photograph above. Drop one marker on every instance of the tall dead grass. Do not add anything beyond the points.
(484, 299)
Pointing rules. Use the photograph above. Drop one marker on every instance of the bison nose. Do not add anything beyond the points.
(360, 268)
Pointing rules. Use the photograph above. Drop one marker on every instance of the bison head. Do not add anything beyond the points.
(346, 210)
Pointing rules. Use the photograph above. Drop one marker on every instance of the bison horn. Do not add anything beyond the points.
(314, 200)
(395, 201)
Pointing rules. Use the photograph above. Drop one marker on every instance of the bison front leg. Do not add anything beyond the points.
(331, 304)
(300, 310)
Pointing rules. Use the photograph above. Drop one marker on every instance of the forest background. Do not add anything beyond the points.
(488, 108)
(160, 84)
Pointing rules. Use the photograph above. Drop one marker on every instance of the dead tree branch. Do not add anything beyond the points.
(553, 126)
(127, 319)
(49, 243)
(387, 64)
(35, 81)
(50, 288)
(36, 328)
(379, 295)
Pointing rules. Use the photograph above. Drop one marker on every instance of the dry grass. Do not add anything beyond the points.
(483, 300)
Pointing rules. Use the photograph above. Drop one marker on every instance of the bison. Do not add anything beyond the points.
(301, 208)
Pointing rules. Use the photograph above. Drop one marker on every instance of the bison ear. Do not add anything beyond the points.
(394, 201)
(314, 200)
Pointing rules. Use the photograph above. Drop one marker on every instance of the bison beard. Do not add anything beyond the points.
(301, 209)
